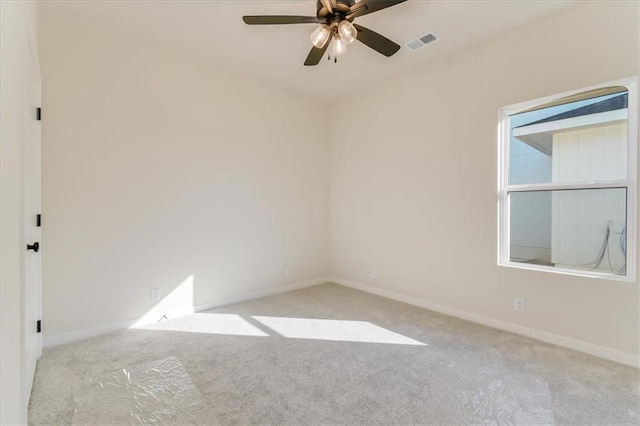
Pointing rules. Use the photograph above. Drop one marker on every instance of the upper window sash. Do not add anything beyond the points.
(569, 185)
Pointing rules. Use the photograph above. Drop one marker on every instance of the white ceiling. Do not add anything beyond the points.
(276, 54)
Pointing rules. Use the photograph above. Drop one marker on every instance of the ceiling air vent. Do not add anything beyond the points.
(421, 42)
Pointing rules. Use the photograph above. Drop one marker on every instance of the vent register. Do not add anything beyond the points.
(421, 42)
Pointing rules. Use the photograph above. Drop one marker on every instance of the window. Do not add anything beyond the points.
(568, 182)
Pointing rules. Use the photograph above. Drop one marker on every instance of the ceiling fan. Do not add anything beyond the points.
(336, 27)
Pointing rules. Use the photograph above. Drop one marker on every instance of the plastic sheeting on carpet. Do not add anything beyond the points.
(492, 396)
(158, 392)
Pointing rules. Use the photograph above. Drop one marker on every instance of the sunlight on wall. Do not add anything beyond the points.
(227, 324)
(177, 303)
(337, 330)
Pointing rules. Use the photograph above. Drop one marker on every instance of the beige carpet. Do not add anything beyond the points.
(332, 355)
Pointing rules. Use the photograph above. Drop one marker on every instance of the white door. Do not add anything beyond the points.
(32, 290)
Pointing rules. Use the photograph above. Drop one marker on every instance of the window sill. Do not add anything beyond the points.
(573, 272)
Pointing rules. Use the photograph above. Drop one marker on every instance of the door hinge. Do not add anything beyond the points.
(39, 114)
(38, 220)
(39, 326)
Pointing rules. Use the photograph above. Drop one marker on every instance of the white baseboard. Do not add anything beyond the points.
(263, 293)
(589, 348)
(74, 336)
(578, 345)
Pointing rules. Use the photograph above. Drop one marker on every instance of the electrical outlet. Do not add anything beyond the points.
(287, 271)
(518, 304)
(373, 274)
(154, 295)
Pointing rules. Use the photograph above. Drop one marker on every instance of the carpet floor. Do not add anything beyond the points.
(332, 355)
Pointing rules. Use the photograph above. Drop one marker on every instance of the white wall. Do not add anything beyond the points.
(160, 168)
(414, 178)
(16, 18)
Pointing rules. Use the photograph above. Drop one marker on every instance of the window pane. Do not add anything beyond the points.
(572, 229)
(577, 141)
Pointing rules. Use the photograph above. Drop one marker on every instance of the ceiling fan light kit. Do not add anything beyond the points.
(320, 36)
(336, 27)
(347, 31)
(338, 48)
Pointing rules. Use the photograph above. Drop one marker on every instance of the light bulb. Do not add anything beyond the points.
(347, 31)
(338, 47)
(320, 35)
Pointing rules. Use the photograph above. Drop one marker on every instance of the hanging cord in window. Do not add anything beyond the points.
(605, 250)
(623, 248)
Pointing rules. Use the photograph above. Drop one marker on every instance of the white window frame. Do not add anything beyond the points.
(630, 184)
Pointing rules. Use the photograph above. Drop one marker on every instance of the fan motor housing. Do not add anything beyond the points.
(342, 8)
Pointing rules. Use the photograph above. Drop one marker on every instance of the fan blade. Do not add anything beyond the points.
(279, 19)
(364, 7)
(376, 41)
(316, 54)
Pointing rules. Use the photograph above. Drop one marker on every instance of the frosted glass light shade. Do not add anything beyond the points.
(347, 31)
(320, 35)
(338, 47)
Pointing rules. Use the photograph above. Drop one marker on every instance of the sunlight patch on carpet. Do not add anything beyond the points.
(336, 330)
(225, 324)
